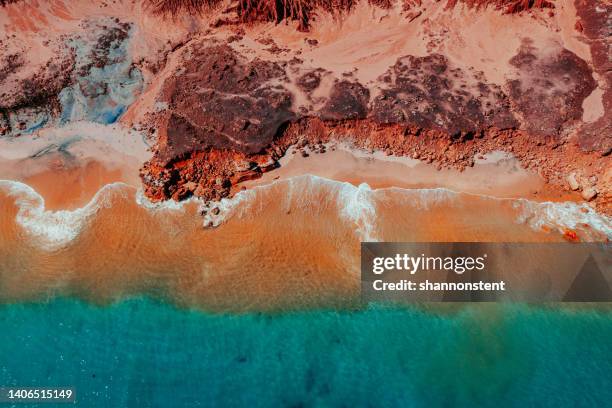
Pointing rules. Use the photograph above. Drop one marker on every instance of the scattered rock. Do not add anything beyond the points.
(426, 107)
(589, 193)
(190, 186)
(573, 183)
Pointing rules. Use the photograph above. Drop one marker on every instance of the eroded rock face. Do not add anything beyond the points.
(223, 103)
(428, 92)
(550, 89)
(220, 100)
(224, 118)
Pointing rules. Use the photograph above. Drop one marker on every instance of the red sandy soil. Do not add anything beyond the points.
(228, 91)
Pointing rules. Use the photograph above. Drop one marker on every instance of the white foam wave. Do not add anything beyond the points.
(557, 216)
(168, 205)
(423, 198)
(357, 204)
(561, 216)
(54, 229)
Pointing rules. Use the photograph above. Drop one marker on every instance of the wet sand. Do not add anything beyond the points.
(73, 221)
(67, 187)
(68, 166)
(497, 174)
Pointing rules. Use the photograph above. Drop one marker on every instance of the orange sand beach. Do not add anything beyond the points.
(303, 221)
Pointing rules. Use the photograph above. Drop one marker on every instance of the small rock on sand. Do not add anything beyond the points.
(573, 183)
(589, 193)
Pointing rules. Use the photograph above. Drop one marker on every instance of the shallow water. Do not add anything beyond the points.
(290, 244)
(144, 353)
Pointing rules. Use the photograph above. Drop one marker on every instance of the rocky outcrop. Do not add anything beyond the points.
(549, 91)
(429, 93)
(29, 100)
(219, 100)
(595, 24)
(304, 11)
(223, 103)
(226, 118)
(347, 100)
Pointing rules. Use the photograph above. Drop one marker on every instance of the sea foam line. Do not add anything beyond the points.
(562, 215)
(537, 214)
(52, 230)
(358, 204)
(55, 229)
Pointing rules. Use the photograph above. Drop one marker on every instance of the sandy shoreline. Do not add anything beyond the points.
(305, 228)
(497, 174)
(68, 166)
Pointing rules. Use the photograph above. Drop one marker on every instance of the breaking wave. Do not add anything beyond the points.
(359, 205)
(53, 229)
(308, 193)
(562, 215)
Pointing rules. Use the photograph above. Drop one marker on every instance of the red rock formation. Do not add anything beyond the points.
(303, 11)
(549, 91)
(594, 19)
(509, 6)
(221, 101)
(430, 93)
(224, 115)
(229, 119)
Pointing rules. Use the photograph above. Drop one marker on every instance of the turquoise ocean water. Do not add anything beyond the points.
(144, 353)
